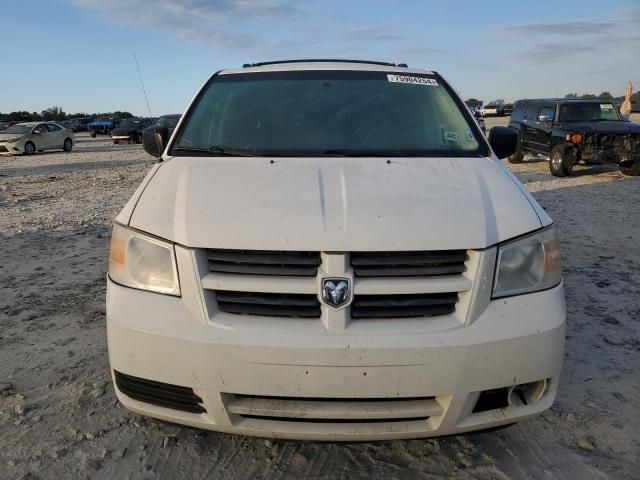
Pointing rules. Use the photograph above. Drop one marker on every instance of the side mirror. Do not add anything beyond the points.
(504, 141)
(154, 140)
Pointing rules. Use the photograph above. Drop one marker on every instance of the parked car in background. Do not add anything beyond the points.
(497, 108)
(130, 130)
(570, 131)
(332, 250)
(101, 126)
(30, 137)
(479, 119)
(4, 125)
(81, 124)
(505, 110)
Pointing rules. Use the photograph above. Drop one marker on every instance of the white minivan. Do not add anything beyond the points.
(332, 250)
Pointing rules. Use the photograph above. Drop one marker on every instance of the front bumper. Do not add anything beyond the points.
(11, 148)
(513, 341)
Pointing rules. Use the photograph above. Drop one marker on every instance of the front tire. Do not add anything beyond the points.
(29, 148)
(632, 171)
(518, 156)
(560, 162)
(67, 145)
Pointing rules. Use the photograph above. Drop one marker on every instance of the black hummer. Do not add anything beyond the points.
(570, 131)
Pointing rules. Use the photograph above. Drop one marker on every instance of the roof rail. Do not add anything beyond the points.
(324, 60)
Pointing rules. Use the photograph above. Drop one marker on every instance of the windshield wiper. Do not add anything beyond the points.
(214, 149)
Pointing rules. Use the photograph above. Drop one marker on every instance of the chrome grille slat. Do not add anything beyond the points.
(254, 269)
(269, 304)
(264, 262)
(398, 264)
(403, 306)
(407, 258)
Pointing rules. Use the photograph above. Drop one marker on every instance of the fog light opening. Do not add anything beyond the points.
(492, 400)
(528, 393)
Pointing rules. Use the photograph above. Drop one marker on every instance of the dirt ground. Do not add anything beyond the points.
(59, 417)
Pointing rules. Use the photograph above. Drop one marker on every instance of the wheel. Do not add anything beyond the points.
(67, 145)
(93, 134)
(560, 162)
(29, 148)
(133, 138)
(518, 156)
(632, 171)
(116, 142)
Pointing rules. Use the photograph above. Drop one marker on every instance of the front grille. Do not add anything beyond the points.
(332, 410)
(408, 264)
(286, 284)
(158, 393)
(268, 304)
(404, 305)
(264, 262)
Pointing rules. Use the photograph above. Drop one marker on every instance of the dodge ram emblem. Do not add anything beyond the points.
(336, 292)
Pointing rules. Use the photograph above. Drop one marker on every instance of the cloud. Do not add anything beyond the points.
(549, 42)
(199, 21)
(254, 28)
(559, 28)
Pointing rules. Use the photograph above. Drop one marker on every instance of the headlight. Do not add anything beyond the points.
(528, 264)
(140, 261)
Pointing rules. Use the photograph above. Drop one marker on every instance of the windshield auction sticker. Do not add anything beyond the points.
(414, 80)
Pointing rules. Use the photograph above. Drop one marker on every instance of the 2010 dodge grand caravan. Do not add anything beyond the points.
(332, 250)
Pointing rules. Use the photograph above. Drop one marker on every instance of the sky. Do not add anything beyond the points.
(78, 54)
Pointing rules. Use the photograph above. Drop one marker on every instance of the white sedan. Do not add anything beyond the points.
(30, 137)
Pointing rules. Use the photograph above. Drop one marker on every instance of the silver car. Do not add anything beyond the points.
(30, 137)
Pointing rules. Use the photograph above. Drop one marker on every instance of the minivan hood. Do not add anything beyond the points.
(334, 204)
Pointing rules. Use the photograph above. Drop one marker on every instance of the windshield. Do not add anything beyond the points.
(21, 129)
(588, 112)
(313, 113)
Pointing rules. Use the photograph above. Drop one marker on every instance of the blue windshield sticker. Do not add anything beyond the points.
(469, 134)
(413, 80)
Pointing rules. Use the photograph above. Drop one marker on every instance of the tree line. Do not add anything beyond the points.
(56, 113)
(635, 98)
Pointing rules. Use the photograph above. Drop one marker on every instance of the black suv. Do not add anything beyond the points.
(570, 131)
(130, 130)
